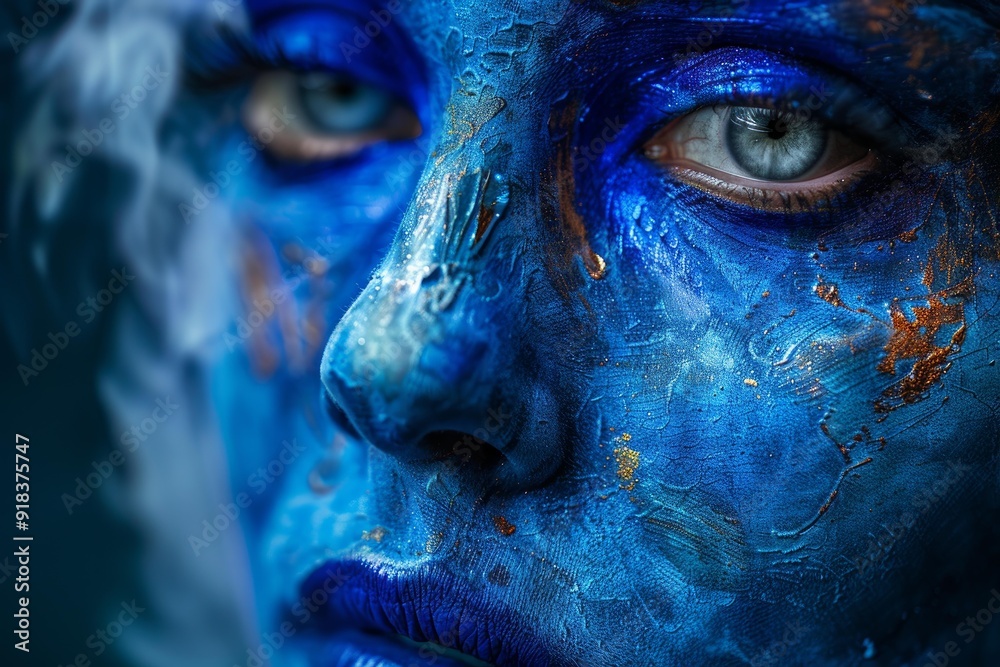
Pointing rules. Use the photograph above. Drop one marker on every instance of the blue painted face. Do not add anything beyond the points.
(662, 333)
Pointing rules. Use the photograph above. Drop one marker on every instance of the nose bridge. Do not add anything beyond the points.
(423, 308)
(452, 218)
(464, 190)
(462, 198)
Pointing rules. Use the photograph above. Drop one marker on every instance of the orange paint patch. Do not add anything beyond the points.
(918, 339)
(562, 180)
(483, 222)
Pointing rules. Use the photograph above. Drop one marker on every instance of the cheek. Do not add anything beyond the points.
(337, 223)
(791, 371)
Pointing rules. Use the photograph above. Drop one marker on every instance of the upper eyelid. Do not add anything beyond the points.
(890, 137)
(714, 67)
(874, 142)
(878, 140)
(237, 57)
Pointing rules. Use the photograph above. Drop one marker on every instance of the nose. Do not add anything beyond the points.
(429, 349)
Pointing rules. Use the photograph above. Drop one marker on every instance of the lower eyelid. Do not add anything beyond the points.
(769, 195)
(847, 172)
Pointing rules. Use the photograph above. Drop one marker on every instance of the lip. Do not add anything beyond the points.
(421, 604)
(355, 648)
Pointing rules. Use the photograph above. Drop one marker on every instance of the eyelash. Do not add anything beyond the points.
(777, 201)
(232, 57)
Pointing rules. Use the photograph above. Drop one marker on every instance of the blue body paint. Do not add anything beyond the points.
(587, 412)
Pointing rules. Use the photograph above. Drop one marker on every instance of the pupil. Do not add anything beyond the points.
(776, 129)
(774, 146)
(346, 89)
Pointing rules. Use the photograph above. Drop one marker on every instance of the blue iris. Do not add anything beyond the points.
(340, 104)
(773, 145)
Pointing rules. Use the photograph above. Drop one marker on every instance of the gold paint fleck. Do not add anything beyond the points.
(376, 533)
(830, 293)
(505, 527)
(596, 267)
(826, 505)
(628, 463)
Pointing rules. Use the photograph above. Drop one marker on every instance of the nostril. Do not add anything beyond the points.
(339, 417)
(462, 448)
(458, 447)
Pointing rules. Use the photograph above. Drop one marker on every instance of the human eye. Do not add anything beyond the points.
(764, 157)
(331, 114)
(752, 136)
(303, 101)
